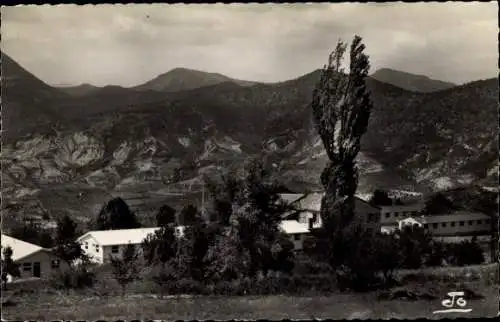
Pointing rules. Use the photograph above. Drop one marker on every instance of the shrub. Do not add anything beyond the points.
(77, 278)
(467, 253)
(223, 288)
(311, 266)
(186, 286)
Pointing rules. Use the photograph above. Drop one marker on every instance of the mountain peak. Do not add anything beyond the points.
(181, 78)
(411, 82)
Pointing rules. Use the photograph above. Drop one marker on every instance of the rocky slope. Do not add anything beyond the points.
(71, 154)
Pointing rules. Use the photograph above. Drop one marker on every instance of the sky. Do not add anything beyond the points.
(130, 44)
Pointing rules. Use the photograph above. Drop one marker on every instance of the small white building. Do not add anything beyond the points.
(100, 245)
(296, 231)
(34, 261)
(411, 222)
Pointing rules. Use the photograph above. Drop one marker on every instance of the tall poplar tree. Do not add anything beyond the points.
(341, 108)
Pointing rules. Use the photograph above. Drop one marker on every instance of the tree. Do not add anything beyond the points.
(66, 248)
(8, 266)
(439, 204)
(467, 252)
(246, 244)
(380, 198)
(341, 107)
(223, 195)
(32, 233)
(416, 246)
(192, 249)
(126, 269)
(162, 274)
(161, 246)
(189, 215)
(388, 255)
(116, 214)
(165, 216)
(282, 259)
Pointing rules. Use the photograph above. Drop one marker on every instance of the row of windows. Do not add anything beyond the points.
(28, 266)
(114, 249)
(460, 223)
(86, 246)
(403, 214)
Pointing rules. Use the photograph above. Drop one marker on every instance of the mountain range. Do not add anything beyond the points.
(69, 150)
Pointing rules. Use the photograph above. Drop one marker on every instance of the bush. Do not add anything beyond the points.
(186, 286)
(310, 267)
(467, 253)
(77, 278)
(223, 288)
(105, 287)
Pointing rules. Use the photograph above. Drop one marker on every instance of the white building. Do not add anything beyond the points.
(33, 260)
(459, 223)
(449, 226)
(100, 245)
(296, 231)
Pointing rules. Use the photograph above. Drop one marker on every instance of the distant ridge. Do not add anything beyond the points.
(80, 90)
(410, 82)
(179, 79)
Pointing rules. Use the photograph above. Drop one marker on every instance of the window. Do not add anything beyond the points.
(396, 214)
(86, 245)
(435, 225)
(452, 224)
(96, 248)
(114, 249)
(443, 224)
(462, 223)
(387, 215)
(470, 222)
(487, 221)
(296, 237)
(55, 263)
(26, 266)
(426, 225)
(479, 222)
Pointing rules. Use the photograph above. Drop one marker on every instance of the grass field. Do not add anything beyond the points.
(43, 304)
(338, 306)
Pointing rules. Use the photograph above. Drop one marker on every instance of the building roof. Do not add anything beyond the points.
(312, 202)
(294, 227)
(20, 249)
(120, 236)
(409, 207)
(125, 236)
(291, 197)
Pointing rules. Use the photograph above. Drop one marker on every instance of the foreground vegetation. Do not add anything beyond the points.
(104, 301)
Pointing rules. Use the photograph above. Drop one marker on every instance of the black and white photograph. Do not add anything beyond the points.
(249, 161)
